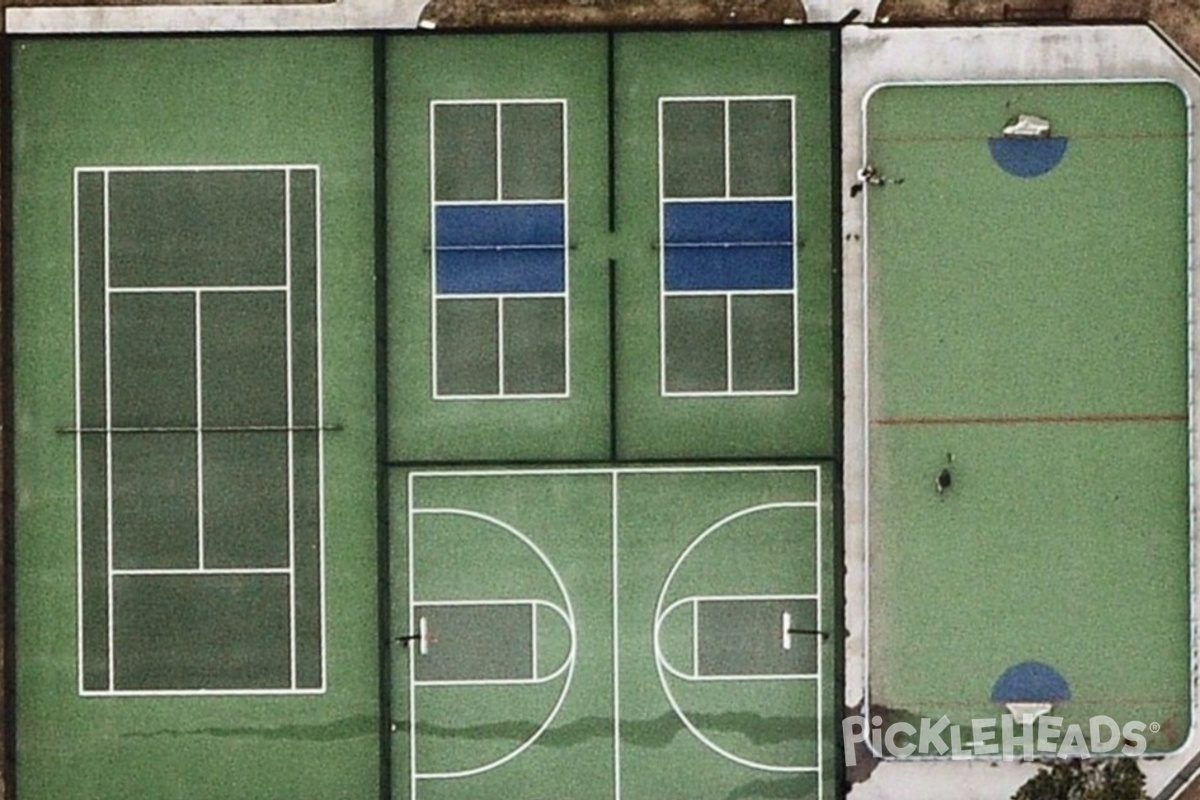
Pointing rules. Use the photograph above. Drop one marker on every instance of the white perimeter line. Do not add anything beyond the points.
(820, 654)
(813, 468)
(662, 257)
(207, 571)
(78, 448)
(320, 355)
(195, 287)
(616, 645)
(795, 248)
(107, 169)
(198, 321)
(566, 206)
(433, 291)
(729, 292)
(291, 420)
(108, 437)
(197, 692)
(412, 656)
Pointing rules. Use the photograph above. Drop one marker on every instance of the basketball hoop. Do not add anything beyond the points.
(1027, 713)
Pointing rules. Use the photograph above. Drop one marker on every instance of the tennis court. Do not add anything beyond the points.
(1032, 346)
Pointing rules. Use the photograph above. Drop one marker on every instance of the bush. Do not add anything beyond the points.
(1077, 779)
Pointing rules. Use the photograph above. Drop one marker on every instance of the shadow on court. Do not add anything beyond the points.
(348, 728)
(656, 732)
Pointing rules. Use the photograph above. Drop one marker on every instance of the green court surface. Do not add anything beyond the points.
(272, 294)
(577, 630)
(1029, 333)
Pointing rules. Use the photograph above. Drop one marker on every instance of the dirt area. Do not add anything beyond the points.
(1180, 19)
(610, 13)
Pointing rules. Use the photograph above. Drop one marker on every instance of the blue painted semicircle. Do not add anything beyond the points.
(1027, 157)
(1031, 682)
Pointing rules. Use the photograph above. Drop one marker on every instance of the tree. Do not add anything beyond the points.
(1080, 779)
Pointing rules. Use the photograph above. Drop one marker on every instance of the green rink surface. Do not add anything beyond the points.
(616, 695)
(1030, 336)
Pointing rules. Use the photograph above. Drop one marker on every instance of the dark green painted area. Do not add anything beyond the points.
(477, 642)
(695, 346)
(185, 228)
(745, 637)
(211, 101)
(531, 151)
(468, 346)
(158, 619)
(698, 64)
(761, 333)
(535, 352)
(1038, 334)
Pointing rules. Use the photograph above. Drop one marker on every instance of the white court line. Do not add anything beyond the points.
(196, 291)
(412, 610)
(616, 635)
(188, 288)
(500, 201)
(728, 292)
(820, 716)
(119, 168)
(571, 654)
(664, 200)
(197, 320)
(660, 662)
(206, 571)
(108, 437)
(695, 600)
(198, 692)
(320, 390)
(533, 603)
(289, 368)
(614, 475)
(566, 207)
(78, 442)
(674, 470)
(513, 202)
(501, 296)
(533, 642)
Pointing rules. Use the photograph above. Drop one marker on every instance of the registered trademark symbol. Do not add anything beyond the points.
(1154, 726)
